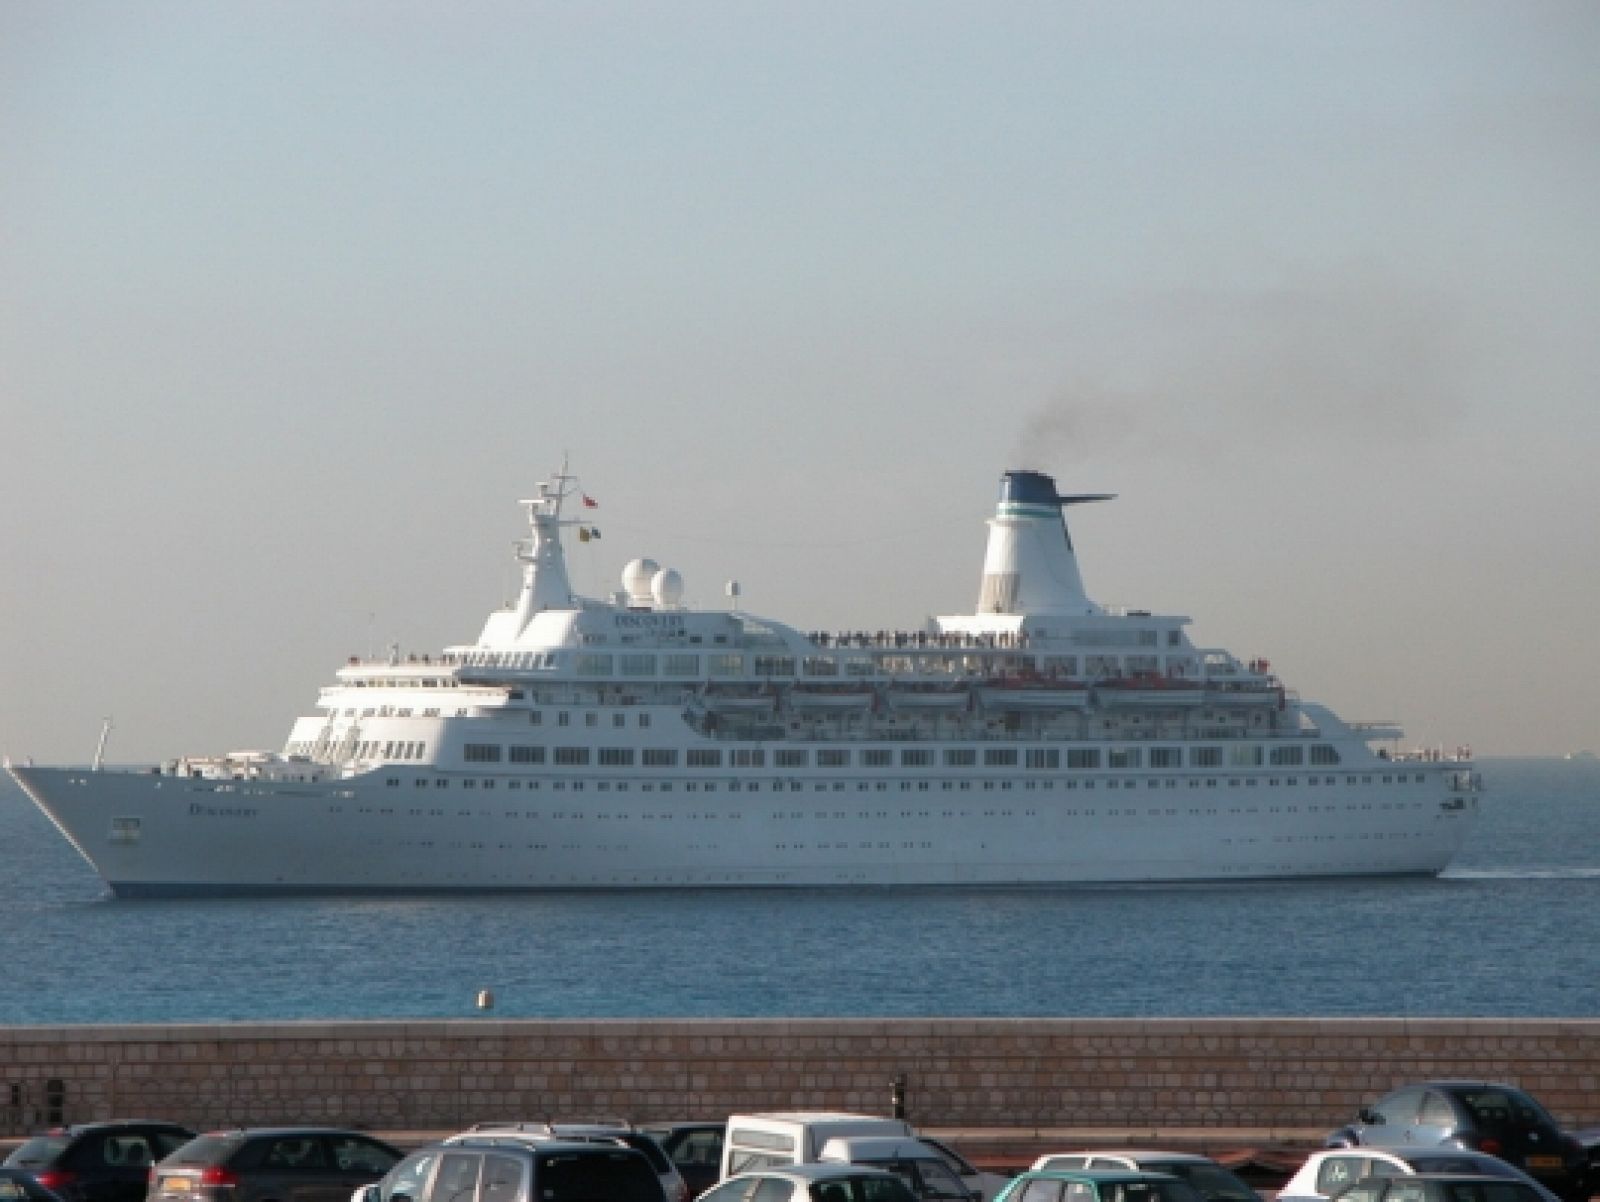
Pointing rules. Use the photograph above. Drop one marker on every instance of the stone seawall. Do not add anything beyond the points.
(1134, 1075)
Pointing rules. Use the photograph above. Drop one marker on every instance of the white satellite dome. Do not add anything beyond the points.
(667, 588)
(636, 577)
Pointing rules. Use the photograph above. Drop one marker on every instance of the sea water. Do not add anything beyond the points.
(1512, 929)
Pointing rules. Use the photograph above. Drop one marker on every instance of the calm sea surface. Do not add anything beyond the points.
(1512, 930)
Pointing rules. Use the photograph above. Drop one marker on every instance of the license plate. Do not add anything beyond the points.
(175, 1185)
(1544, 1162)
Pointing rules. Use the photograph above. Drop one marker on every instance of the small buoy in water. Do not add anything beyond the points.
(485, 1000)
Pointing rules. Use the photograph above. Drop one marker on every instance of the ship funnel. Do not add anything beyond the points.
(1030, 566)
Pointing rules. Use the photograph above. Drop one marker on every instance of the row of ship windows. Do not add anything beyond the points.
(1042, 758)
(794, 786)
(860, 815)
(916, 658)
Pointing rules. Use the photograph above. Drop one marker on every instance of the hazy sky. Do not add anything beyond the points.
(297, 299)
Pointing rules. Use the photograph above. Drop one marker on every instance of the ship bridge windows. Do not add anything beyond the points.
(1205, 757)
(1286, 755)
(1321, 753)
(705, 757)
(1245, 755)
(821, 665)
(725, 664)
(1043, 758)
(960, 757)
(747, 757)
(774, 665)
(877, 757)
(616, 757)
(1083, 757)
(660, 757)
(916, 757)
(1166, 757)
(525, 754)
(833, 757)
(572, 755)
(638, 665)
(999, 757)
(680, 664)
(481, 753)
(1123, 757)
(790, 757)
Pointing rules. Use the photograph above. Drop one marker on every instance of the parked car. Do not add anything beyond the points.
(1099, 1185)
(1210, 1180)
(18, 1185)
(812, 1183)
(770, 1140)
(695, 1149)
(672, 1182)
(98, 1162)
(271, 1164)
(914, 1162)
(1498, 1119)
(1438, 1187)
(499, 1169)
(1326, 1173)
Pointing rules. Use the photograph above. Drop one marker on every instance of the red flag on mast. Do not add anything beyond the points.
(589, 502)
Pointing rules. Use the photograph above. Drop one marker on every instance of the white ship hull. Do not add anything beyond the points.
(196, 836)
(631, 742)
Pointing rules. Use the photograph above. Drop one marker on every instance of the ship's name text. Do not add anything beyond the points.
(649, 621)
(205, 811)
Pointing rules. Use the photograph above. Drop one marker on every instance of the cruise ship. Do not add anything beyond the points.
(631, 741)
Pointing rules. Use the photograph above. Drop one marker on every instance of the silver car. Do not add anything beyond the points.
(1327, 1173)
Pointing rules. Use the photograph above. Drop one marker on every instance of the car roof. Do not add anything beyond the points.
(902, 1147)
(817, 1172)
(499, 1141)
(1452, 1179)
(1140, 1154)
(253, 1132)
(1474, 1177)
(1103, 1175)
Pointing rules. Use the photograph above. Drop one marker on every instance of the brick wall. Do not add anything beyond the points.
(1263, 1074)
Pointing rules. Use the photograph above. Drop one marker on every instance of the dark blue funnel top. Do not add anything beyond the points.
(1028, 488)
(1036, 488)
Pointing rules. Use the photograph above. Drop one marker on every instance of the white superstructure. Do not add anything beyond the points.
(632, 742)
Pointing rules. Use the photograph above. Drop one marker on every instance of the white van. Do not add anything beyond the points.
(761, 1141)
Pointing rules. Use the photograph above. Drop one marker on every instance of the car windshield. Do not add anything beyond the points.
(876, 1188)
(205, 1149)
(596, 1177)
(1489, 1166)
(1490, 1191)
(41, 1149)
(408, 1177)
(1495, 1108)
(1211, 1181)
(1147, 1191)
